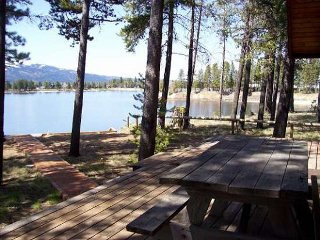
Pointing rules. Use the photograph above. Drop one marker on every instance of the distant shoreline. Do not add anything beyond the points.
(300, 98)
(86, 90)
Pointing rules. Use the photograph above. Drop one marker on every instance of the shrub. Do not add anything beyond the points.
(162, 138)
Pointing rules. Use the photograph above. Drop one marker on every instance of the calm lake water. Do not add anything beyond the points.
(52, 112)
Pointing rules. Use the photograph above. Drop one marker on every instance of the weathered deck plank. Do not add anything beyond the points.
(85, 204)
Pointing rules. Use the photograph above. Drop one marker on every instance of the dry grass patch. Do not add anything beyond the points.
(25, 191)
(104, 155)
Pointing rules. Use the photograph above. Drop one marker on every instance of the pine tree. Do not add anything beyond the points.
(16, 10)
(150, 105)
(166, 78)
(207, 78)
(2, 78)
(74, 19)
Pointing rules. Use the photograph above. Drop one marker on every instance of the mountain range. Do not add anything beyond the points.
(42, 73)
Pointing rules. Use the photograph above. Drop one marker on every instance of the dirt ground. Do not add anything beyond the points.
(103, 155)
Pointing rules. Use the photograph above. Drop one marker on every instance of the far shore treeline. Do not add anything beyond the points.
(23, 85)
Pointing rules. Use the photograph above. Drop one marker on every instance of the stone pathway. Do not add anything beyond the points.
(63, 176)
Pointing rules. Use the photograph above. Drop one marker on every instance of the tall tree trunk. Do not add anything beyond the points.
(150, 105)
(291, 105)
(270, 80)
(238, 83)
(318, 107)
(2, 79)
(262, 101)
(276, 86)
(241, 66)
(284, 101)
(197, 39)
(186, 122)
(166, 78)
(222, 76)
(245, 90)
(78, 101)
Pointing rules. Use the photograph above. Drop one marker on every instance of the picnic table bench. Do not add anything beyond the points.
(155, 221)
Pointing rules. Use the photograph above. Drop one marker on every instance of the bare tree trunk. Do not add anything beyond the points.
(238, 83)
(2, 79)
(197, 39)
(284, 101)
(245, 91)
(291, 106)
(190, 68)
(276, 86)
(222, 75)
(241, 67)
(77, 110)
(166, 79)
(270, 80)
(262, 101)
(149, 117)
(318, 107)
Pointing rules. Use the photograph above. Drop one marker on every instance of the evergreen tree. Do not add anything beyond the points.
(166, 78)
(231, 76)
(244, 45)
(151, 90)
(77, 110)
(181, 76)
(74, 19)
(224, 17)
(308, 74)
(186, 121)
(2, 79)
(207, 78)
(16, 10)
(215, 73)
(136, 22)
(200, 78)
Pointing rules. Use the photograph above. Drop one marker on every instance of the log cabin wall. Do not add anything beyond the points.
(304, 28)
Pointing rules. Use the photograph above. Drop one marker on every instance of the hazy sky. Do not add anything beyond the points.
(106, 53)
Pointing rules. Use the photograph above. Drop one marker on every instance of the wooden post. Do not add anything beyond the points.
(137, 121)
(128, 121)
(291, 130)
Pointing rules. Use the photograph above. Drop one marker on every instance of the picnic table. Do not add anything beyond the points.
(251, 170)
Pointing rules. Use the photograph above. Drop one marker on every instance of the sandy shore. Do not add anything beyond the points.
(255, 96)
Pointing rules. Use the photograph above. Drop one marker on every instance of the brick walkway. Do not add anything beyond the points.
(63, 176)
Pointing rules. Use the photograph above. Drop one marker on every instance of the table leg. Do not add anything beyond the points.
(305, 220)
(283, 221)
(245, 216)
(197, 207)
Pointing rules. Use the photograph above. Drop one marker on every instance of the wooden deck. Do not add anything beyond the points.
(104, 212)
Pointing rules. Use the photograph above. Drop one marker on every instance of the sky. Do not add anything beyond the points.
(106, 54)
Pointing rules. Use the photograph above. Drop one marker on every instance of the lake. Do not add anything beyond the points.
(43, 112)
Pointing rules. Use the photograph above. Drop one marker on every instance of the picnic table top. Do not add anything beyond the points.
(249, 167)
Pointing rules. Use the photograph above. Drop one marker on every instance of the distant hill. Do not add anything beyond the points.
(42, 73)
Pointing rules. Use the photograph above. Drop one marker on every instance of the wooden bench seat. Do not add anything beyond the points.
(155, 221)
